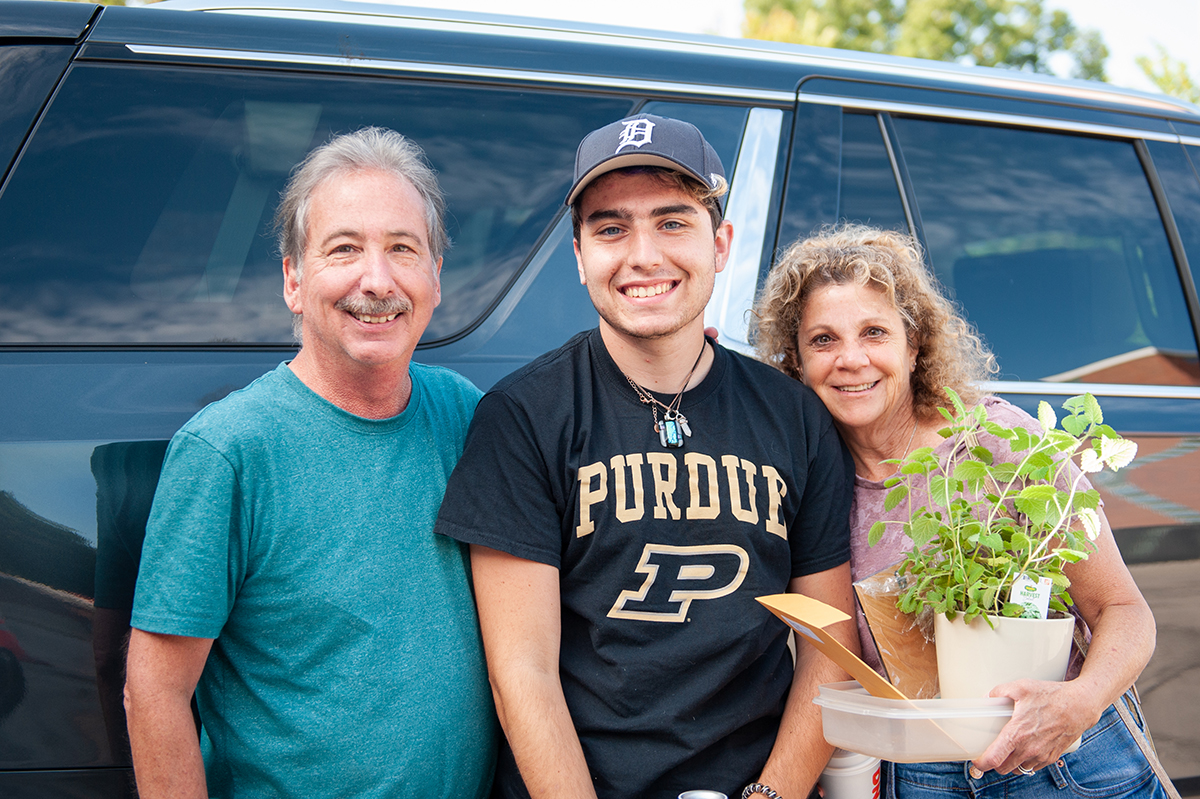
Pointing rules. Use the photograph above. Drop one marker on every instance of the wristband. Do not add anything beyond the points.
(758, 787)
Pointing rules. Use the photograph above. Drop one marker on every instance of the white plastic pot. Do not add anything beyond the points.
(973, 659)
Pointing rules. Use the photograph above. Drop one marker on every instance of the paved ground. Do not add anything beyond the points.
(1170, 685)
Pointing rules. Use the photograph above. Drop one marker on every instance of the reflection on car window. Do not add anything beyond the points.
(1176, 167)
(27, 73)
(869, 193)
(722, 125)
(1054, 245)
(840, 171)
(165, 181)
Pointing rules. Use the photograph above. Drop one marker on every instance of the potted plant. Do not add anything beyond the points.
(991, 534)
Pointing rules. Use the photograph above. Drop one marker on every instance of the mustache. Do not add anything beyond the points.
(367, 306)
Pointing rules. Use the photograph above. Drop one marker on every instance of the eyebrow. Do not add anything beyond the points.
(675, 210)
(356, 234)
(681, 209)
(874, 321)
(597, 216)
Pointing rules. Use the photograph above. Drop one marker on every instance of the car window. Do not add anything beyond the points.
(869, 193)
(839, 171)
(722, 125)
(27, 74)
(1054, 245)
(1176, 168)
(141, 211)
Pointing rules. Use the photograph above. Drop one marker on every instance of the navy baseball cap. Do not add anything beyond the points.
(646, 140)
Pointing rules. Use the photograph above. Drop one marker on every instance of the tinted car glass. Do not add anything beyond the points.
(165, 236)
(27, 73)
(840, 171)
(869, 193)
(722, 125)
(1025, 225)
(1177, 172)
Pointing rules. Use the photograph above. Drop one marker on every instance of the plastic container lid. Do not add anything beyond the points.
(910, 730)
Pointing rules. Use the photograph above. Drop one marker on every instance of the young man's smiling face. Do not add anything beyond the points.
(648, 254)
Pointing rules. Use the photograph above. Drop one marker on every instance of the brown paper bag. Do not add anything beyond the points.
(908, 654)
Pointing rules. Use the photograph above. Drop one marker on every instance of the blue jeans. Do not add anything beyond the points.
(1107, 764)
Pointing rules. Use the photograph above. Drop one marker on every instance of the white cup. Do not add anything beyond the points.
(850, 775)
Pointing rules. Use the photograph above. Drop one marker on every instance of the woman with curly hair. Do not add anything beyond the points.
(855, 314)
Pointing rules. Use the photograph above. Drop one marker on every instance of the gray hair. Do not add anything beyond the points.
(366, 149)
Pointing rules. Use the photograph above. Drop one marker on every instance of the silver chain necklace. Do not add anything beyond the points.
(674, 425)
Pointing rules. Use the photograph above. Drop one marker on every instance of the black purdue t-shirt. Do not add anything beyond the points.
(675, 677)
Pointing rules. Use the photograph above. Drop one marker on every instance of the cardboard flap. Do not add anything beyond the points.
(809, 617)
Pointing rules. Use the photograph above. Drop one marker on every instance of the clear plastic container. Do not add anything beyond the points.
(910, 730)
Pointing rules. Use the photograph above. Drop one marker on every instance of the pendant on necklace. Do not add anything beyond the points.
(674, 426)
(672, 429)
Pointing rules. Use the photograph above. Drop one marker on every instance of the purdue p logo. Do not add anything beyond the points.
(676, 576)
(635, 133)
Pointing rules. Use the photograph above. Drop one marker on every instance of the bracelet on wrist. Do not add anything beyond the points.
(758, 787)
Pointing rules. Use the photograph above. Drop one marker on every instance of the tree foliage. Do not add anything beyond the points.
(1020, 34)
(1170, 75)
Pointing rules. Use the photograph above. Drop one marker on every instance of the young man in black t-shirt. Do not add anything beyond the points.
(626, 498)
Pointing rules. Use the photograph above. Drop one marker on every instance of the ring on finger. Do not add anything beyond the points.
(1025, 771)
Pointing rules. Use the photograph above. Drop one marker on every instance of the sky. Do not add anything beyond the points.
(1129, 27)
(1132, 28)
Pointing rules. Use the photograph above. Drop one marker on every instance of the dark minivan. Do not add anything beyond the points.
(142, 151)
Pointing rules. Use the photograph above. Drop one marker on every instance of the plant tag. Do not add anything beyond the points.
(1033, 595)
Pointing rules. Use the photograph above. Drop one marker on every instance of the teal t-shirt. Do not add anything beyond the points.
(347, 659)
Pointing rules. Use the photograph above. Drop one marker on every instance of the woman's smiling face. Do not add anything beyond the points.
(855, 354)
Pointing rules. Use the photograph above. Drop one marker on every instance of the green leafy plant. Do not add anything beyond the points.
(977, 524)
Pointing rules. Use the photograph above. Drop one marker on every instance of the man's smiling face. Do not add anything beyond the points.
(369, 283)
(647, 254)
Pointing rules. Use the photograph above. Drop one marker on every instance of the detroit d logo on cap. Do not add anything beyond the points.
(635, 133)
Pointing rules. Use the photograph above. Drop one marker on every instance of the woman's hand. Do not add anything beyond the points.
(1049, 716)
(1047, 719)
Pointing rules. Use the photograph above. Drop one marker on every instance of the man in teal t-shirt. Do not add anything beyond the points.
(290, 577)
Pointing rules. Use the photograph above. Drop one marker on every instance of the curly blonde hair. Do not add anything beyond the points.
(949, 351)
